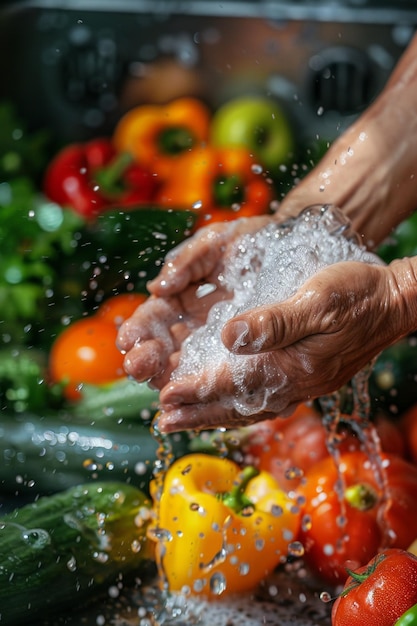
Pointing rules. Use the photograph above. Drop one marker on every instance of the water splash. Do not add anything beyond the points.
(360, 422)
(263, 268)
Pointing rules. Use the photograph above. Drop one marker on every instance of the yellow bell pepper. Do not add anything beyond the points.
(220, 529)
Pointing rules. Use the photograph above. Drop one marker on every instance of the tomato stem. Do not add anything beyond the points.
(360, 577)
(361, 496)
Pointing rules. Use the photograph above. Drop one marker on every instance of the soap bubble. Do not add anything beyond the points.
(263, 268)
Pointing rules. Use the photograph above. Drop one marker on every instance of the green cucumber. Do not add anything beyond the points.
(57, 552)
(123, 399)
(45, 454)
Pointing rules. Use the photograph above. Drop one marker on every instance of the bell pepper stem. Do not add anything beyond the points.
(110, 177)
(236, 498)
(228, 190)
(175, 139)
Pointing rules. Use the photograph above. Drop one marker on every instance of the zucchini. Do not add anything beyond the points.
(46, 454)
(62, 550)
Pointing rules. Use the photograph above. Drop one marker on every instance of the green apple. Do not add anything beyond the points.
(258, 123)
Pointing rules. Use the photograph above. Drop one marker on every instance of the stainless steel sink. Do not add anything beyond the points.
(75, 66)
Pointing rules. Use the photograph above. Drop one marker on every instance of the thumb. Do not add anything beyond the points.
(266, 328)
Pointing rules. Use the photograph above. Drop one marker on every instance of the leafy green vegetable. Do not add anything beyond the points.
(23, 385)
(22, 153)
(35, 234)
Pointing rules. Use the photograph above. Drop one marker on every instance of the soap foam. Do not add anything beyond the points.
(264, 268)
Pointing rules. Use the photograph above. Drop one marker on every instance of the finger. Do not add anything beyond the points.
(193, 389)
(191, 261)
(268, 327)
(196, 258)
(204, 416)
(249, 386)
(147, 360)
(152, 319)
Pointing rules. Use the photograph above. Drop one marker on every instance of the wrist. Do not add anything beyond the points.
(403, 289)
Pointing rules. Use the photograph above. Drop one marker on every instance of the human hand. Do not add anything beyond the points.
(313, 343)
(181, 296)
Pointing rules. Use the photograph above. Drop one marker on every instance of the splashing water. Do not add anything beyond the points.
(268, 267)
(361, 424)
(264, 268)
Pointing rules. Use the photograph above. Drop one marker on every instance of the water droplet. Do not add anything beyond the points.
(101, 557)
(198, 585)
(325, 596)
(186, 469)
(294, 472)
(136, 546)
(140, 468)
(159, 534)
(218, 583)
(247, 511)
(277, 510)
(296, 549)
(37, 538)
(90, 464)
(72, 564)
(257, 168)
(259, 544)
(113, 591)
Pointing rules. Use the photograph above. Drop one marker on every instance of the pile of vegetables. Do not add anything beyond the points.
(83, 228)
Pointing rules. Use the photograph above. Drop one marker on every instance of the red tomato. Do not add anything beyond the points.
(408, 425)
(390, 434)
(342, 512)
(379, 593)
(289, 447)
(119, 308)
(85, 352)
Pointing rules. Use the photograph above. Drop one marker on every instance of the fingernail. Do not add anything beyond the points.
(239, 334)
(171, 396)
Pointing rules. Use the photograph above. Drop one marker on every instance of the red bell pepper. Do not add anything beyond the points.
(91, 177)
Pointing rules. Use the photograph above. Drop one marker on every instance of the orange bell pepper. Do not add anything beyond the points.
(156, 134)
(220, 184)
